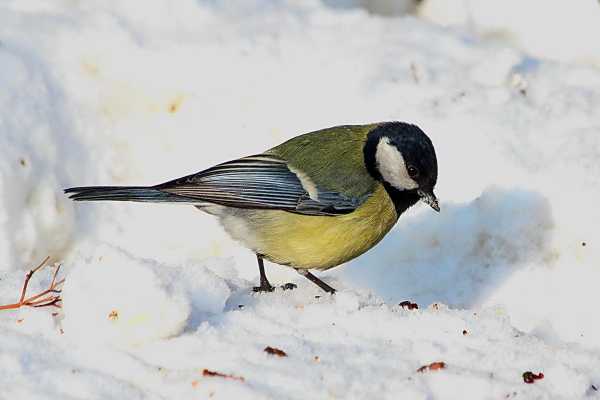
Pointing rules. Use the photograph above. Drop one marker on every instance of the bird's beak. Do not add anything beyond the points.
(429, 198)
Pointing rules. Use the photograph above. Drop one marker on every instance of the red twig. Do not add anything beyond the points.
(48, 298)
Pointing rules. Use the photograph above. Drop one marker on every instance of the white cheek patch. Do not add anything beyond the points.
(391, 166)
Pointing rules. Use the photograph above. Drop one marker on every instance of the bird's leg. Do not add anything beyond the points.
(265, 286)
(315, 280)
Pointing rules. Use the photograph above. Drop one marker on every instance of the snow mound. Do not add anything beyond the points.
(471, 248)
(117, 298)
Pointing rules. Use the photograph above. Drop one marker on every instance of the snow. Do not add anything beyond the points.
(122, 93)
(551, 29)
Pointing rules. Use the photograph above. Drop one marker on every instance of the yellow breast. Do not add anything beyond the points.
(319, 242)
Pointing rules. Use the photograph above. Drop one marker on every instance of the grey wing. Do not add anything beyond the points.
(260, 182)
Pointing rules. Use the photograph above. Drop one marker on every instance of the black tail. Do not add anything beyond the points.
(125, 193)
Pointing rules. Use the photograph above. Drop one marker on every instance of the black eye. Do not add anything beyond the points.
(413, 172)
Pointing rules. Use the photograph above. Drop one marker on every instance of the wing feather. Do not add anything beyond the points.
(259, 182)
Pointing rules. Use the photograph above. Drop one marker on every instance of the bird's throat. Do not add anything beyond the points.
(402, 199)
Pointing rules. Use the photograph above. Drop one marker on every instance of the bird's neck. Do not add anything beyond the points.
(402, 199)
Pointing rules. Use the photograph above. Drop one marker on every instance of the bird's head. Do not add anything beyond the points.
(402, 157)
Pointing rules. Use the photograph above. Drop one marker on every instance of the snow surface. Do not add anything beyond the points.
(112, 92)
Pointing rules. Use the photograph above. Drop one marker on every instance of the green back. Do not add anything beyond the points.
(332, 158)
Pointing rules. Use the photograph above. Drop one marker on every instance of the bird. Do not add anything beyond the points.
(314, 202)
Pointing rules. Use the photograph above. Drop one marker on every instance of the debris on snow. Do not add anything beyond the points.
(275, 351)
(434, 366)
(530, 377)
(409, 305)
(209, 373)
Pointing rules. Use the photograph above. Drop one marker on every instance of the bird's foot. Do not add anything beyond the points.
(269, 288)
(263, 288)
(289, 286)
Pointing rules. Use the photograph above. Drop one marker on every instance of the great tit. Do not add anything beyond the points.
(313, 202)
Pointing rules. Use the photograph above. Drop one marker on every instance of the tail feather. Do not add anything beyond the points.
(125, 193)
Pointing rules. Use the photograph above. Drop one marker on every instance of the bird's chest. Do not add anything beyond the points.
(319, 242)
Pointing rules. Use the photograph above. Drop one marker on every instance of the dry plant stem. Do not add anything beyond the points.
(47, 298)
